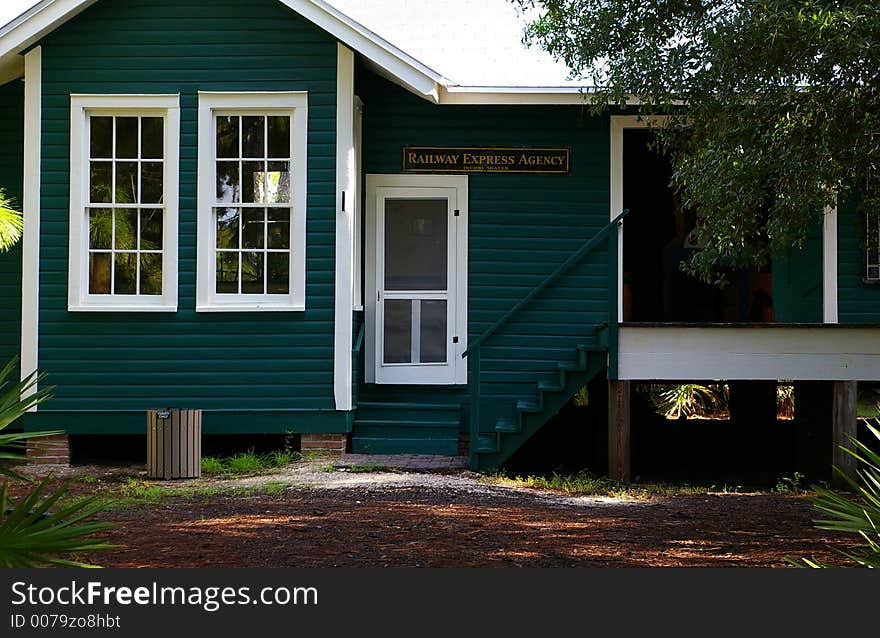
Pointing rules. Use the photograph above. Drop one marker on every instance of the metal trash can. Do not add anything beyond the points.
(174, 443)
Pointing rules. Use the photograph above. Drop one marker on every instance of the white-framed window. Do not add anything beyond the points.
(252, 201)
(123, 203)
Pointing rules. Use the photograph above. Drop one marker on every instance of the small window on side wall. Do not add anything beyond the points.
(872, 248)
(123, 203)
(251, 219)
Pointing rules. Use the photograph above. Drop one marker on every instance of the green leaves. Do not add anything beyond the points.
(774, 104)
(33, 535)
(859, 516)
(11, 223)
(41, 526)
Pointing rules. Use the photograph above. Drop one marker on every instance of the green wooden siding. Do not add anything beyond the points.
(11, 180)
(797, 282)
(115, 365)
(521, 227)
(858, 302)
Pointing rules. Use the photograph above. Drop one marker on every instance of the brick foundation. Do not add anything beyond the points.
(49, 450)
(464, 444)
(328, 444)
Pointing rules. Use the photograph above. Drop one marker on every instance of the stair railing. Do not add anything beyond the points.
(473, 351)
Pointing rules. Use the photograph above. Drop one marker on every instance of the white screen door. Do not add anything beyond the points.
(417, 336)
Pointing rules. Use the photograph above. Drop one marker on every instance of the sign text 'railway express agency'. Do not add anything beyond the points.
(457, 159)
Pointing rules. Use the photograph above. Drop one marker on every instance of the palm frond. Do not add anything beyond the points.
(33, 535)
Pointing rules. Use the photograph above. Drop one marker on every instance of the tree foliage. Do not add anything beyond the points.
(773, 104)
(11, 223)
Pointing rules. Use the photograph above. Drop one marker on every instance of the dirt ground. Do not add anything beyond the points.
(315, 518)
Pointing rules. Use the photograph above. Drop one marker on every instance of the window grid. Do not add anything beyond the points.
(114, 207)
(241, 206)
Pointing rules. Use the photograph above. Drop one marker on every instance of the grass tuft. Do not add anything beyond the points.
(248, 463)
(585, 484)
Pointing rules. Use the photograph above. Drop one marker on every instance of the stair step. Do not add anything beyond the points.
(527, 406)
(406, 423)
(570, 367)
(549, 387)
(397, 445)
(487, 445)
(507, 426)
(383, 405)
(592, 347)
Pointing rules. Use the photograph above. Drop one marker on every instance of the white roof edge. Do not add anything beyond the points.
(399, 66)
(42, 18)
(387, 59)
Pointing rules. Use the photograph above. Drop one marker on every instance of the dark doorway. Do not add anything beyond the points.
(659, 236)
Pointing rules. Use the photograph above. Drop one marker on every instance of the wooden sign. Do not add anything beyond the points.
(460, 159)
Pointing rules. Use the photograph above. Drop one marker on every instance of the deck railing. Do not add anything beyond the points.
(473, 351)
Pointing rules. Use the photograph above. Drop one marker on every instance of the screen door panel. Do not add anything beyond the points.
(417, 266)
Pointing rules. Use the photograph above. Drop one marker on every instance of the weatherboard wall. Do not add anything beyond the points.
(250, 372)
(11, 180)
(857, 301)
(521, 227)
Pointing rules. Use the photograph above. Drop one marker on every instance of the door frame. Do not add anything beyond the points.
(455, 370)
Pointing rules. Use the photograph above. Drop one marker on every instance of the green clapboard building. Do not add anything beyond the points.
(264, 210)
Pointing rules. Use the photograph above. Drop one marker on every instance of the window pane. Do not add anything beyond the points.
(398, 331)
(415, 244)
(227, 136)
(433, 338)
(228, 187)
(253, 136)
(100, 188)
(252, 176)
(99, 273)
(127, 137)
(279, 228)
(277, 183)
(252, 278)
(253, 227)
(151, 273)
(101, 133)
(125, 275)
(227, 273)
(278, 268)
(151, 229)
(227, 227)
(126, 229)
(152, 186)
(152, 138)
(101, 228)
(279, 136)
(126, 182)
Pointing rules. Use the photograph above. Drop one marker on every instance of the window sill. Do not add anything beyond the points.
(121, 308)
(251, 307)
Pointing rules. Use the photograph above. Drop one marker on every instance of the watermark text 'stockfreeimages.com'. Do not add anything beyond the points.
(97, 596)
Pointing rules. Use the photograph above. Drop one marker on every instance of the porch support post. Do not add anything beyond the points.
(619, 430)
(845, 422)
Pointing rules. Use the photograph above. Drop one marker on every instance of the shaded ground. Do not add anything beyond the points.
(315, 518)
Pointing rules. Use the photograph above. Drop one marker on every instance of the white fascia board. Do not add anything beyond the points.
(409, 72)
(29, 27)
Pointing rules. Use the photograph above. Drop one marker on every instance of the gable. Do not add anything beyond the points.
(388, 60)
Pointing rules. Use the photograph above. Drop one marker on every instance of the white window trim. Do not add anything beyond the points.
(78, 297)
(296, 104)
(455, 371)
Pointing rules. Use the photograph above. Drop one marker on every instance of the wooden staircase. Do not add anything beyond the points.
(495, 434)
(530, 414)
